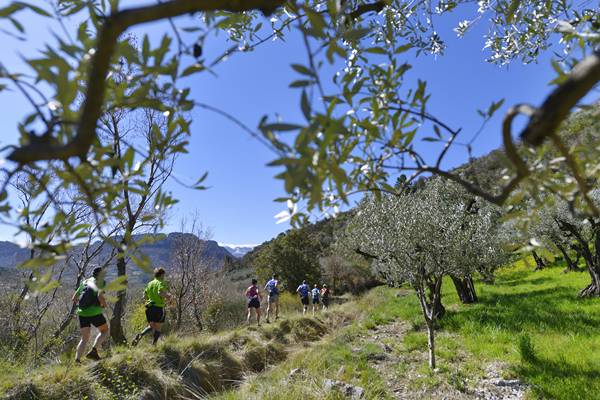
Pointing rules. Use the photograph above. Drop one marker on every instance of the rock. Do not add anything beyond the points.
(349, 391)
(376, 357)
(387, 348)
(508, 382)
(296, 372)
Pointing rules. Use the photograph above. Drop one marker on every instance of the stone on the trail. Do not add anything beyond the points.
(349, 391)
(376, 357)
(295, 373)
(508, 382)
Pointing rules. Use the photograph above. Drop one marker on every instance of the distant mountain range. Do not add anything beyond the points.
(238, 250)
(160, 249)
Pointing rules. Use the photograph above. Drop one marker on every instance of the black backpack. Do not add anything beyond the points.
(88, 297)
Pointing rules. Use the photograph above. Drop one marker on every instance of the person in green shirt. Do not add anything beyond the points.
(155, 295)
(90, 308)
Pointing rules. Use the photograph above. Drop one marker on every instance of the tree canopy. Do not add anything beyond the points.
(359, 133)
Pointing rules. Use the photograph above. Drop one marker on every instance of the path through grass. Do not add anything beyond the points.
(529, 325)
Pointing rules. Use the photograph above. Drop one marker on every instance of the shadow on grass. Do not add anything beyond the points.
(559, 379)
(549, 310)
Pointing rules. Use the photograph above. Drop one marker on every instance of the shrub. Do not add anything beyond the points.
(289, 303)
(225, 313)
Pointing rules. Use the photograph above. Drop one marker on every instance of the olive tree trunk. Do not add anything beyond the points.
(592, 260)
(430, 303)
(571, 265)
(539, 262)
(465, 288)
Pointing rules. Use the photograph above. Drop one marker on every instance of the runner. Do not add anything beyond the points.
(254, 298)
(325, 292)
(316, 293)
(272, 288)
(303, 292)
(90, 307)
(155, 295)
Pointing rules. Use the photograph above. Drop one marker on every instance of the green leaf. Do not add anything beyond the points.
(303, 70)
(317, 22)
(305, 105)
(278, 126)
(145, 49)
(10, 9)
(356, 34)
(494, 107)
(301, 83)
(376, 50)
(192, 69)
(404, 48)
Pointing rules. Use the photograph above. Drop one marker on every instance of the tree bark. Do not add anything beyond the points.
(591, 260)
(435, 302)
(539, 262)
(593, 289)
(116, 326)
(431, 343)
(571, 265)
(465, 288)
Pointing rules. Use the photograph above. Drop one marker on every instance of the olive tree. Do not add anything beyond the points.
(546, 229)
(360, 131)
(559, 226)
(422, 237)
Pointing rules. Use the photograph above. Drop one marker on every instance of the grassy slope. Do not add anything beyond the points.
(531, 321)
(178, 368)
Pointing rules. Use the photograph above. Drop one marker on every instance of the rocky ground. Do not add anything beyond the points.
(404, 376)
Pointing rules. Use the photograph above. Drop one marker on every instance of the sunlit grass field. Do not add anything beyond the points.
(530, 321)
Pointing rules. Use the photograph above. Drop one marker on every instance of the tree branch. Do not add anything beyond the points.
(546, 119)
(112, 28)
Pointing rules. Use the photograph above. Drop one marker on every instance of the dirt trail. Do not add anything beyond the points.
(403, 372)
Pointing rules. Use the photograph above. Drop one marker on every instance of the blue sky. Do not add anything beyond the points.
(239, 205)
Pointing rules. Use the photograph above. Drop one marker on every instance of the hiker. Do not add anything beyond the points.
(303, 292)
(272, 288)
(90, 308)
(155, 294)
(325, 293)
(254, 298)
(316, 294)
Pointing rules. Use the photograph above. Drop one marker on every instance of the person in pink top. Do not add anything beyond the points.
(253, 296)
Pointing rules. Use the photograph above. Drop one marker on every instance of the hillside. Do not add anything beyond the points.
(159, 248)
(504, 347)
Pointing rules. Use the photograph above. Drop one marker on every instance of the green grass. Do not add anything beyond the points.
(532, 322)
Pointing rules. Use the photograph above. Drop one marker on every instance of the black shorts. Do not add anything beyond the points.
(315, 300)
(253, 303)
(326, 301)
(304, 300)
(96, 320)
(155, 314)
